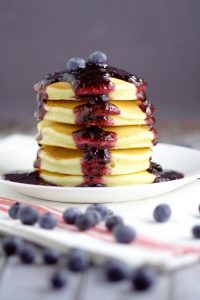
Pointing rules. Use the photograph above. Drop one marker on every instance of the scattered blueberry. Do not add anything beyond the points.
(28, 215)
(101, 208)
(14, 210)
(95, 215)
(196, 231)
(143, 278)
(124, 234)
(84, 221)
(28, 254)
(112, 221)
(78, 260)
(116, 270)
(75, 64)
(70, 215)
(97, 58)
(162, 213)
(59, 279)
(47, 221)
(50, 256)
(11, 245)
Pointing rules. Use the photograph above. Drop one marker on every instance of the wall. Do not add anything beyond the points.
(157, 39)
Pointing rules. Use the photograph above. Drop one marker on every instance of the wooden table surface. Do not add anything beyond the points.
(21, 282)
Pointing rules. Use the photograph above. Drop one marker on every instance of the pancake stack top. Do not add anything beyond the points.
(95, 126)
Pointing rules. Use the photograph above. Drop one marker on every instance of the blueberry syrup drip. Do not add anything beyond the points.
(96, 112)
(163, 175)
(95, 162)
(129, 77)
(149, 109)
(94, 136)
(92, 80)
(41, 111)
(50, 78)
(155, 140)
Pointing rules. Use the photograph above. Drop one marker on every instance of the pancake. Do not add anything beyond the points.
(116, 113)
(144, 177)
(63, 90)
(119, 137)
(71, 162)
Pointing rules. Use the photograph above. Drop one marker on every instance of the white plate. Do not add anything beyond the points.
(20, 155)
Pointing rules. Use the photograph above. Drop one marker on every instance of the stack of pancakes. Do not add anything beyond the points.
(74, 152)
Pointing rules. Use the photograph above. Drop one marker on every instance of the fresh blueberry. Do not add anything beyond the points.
(196, 231)
(78, 260)
(28, 254)
(70, 215)
(124, 234)
(112, 221)
(116, 270)
(162, 213)
(143, 278)
(85, 221)
(28, 215)
(47, 221)
(96, 216)
(59, 279)
(75, 64)
(101, 208)
(14, 210)
(97, 58)
(11, 245)
(50, 256)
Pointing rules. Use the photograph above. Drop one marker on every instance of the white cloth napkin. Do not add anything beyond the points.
(169, 245)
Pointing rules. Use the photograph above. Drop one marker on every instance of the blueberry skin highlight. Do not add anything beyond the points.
(14, 210)
(85, 221)
(50, 256)
(162, 213)
(116, 270)
(47, 221)
(101, 208)
(28, 254)
(113, 221)
(143, 278)
(28, 215)
(59, 279)
(74, 64)
(97, 58)
(11, 245)
(78, 260)
(196, 231)
(70, 215)
(124, 234)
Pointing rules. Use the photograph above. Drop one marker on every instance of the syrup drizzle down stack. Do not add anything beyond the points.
(92, 85)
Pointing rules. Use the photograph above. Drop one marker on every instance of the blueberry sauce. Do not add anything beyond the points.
(93, 180)
(95, 162)
(94, 136)
(163, 175)
(96, 112)
(26, 178)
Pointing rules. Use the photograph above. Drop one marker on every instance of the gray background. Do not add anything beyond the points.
(157, 39)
